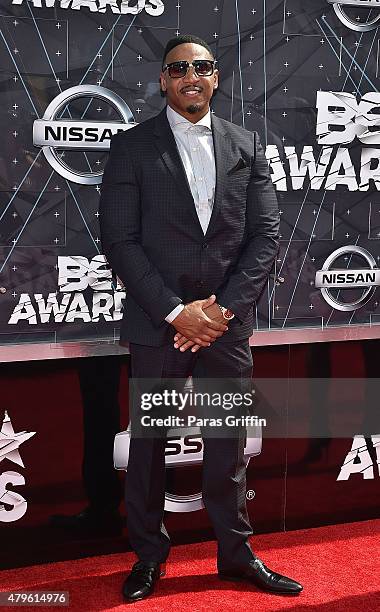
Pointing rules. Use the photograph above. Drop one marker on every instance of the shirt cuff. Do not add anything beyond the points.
(172, 315)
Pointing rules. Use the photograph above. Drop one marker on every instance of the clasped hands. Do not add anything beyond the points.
(200, 323)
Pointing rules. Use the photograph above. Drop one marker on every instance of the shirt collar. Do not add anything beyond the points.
(176, 120)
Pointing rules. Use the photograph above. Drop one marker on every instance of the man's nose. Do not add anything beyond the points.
(191, 75)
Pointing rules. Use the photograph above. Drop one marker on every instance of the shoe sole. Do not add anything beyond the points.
(274, 592)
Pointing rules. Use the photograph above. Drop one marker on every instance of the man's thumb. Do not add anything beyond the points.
(209, 301)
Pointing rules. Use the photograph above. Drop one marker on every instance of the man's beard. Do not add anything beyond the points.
(193, 108)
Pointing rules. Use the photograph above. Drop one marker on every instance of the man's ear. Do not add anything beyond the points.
(216, 79)
(162, 83)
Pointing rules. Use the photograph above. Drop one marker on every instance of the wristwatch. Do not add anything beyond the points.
(227, 313)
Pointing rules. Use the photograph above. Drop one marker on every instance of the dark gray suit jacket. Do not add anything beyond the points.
(153, 240)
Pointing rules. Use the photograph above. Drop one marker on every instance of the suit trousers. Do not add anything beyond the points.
(224, 469)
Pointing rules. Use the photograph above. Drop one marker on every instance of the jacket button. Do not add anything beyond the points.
(205, 245)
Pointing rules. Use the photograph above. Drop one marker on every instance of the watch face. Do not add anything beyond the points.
(228, 314)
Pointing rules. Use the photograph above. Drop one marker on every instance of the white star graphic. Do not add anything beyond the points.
(11, 441)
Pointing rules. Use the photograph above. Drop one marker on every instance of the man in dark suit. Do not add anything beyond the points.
(189, 222)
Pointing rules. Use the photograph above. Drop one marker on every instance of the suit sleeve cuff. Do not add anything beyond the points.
(174, 313)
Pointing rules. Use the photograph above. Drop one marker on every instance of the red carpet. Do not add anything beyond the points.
(339, 567)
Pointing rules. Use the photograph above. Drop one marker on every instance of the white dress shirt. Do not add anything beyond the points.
(196, 148)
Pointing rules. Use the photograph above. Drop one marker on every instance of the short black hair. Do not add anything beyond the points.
(182, 39)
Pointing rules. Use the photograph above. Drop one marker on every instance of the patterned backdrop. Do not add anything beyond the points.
(274, 56)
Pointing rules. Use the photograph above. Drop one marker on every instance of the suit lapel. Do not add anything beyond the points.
(165, 142)
(222, 151)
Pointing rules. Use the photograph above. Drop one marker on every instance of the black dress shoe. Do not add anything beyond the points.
(262, 577)
(142, 579)
(90, 522)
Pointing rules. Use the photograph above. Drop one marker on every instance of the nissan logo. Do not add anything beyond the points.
(366, 279)
(183, 447)
(53, 133)
(371, 24)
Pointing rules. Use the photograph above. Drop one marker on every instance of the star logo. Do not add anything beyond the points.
(11, 441)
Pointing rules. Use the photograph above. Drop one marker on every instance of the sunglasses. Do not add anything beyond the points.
(178, 70)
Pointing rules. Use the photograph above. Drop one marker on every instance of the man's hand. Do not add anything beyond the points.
(194, 324)
(213, 311)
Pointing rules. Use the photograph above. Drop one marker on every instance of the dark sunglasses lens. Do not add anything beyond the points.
(177, 70)
(203, 67)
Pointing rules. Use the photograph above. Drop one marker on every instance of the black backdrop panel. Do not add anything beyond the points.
(274, 57)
